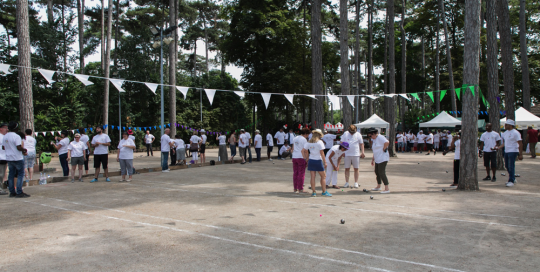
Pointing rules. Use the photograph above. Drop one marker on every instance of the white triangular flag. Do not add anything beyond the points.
(210, 94)
(83, 79)
(52, 133)
(290, 97)
(183, 90)
(43, 133)
(48, 75)
(266, 98)
(334, 99)
(405, 96)
(59, 132)
(351, 99)
(4, 68)
(152, 86)
(312, 96)
(371, 96)
(73, 131)
(118, 84)
(35, 133)
(389, 95)
(241, 94)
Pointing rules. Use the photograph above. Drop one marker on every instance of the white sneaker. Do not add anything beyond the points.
(376, 189)
(356, 185)
(165, 171)
(385, 192)
(346, 185)
(509, 184)
(270, 159)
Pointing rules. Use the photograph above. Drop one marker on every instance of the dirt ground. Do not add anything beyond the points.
(247, 218)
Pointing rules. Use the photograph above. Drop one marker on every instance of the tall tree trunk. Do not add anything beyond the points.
(468, 173)
(80, 17)
(64, 37)
(344, 52)
(103, 41)
(507, 57)
(370, 61)
(436, 94)
(524, 58)
(206, 44)
(385, 65)
(390, 101)
(116, 35)
(493, 72)
(173, 59)
(423, 69)
(107, 67)
(194, 60)
(26, 100)
(403, 64)
(357, 63)
(449, 60)
(317, 110)
(50, 12)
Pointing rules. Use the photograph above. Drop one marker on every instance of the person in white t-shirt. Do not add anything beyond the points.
(222, 153)
(436, 140)
(166, 144)
(3, 162)
(317, 161)
(13, 146)
(202, 146)
(101, 143)
(400, 141)
(61, 145)
(299, 159)
(148, 140)
(269, 145)
(195, 142)
(257, 142)
(489, 144)
(354, 154)
(248, 147)
(180, 149)
(455, 144)
(421, 140)
(125, 156)
(243, 142)
(328, 140)
(333, 157)
(445, 140)
(285, 150)
(380, 159)
(76, 151)
(290, 136)
(84, 138)
(429, 142)
(280, 140)
(410, 141)
(513, 148)
(29, 160)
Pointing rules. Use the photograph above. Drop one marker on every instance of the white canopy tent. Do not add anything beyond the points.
(442, 120)
(524, 119)
(337, 127)
(374, 121)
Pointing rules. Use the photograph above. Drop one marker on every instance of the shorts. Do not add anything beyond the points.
(77, 161)
(400, 144)
(102, 159)
(490, 157)
(180, 154)
(29, 160)
(354, 160)
(315, 165)
(269, 149)
(429, 147)
(202, 148)
(242, 151)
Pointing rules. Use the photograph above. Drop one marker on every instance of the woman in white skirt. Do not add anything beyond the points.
(316, 161)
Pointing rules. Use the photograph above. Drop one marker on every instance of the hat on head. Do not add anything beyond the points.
(257, 131)
(372, 130)
(130, 132)
(242, 130)
(510, 122)
(13, 125)
(344, 145)
(202, 131)
(3, 125)
(77, 135)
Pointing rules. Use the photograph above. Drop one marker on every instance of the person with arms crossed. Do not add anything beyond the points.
(353, 155)
(269, 145)
(513, 148)
(62, 147)
(76, 150)
(299, 160)
(101, 143)
(125, 156)
(258, 144)
(3, 162)
(380, 158)
(489, 144)
(334, 158)
(149, 139)
(14, 149)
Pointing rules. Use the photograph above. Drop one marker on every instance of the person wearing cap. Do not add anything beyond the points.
(222, 153)
(13, 145)
(125, 156)
(3, 161)
(269, 145)
(513, 148)
(76, 150)
(299, 159)
(334, 158)
(101, 143)
(353, 154)
(180, 149)
(194, 142)
(243, 142)
(489, 144)
(316, 161)
(148, 140)
(61, 145)
(280, 140)
(29, 160)
(258, 144)
(202, 147)
(380, 158)
(84, 138)
(328, 140)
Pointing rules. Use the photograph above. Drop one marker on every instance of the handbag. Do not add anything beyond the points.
(194, 147)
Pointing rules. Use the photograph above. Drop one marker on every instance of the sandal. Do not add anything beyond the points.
(334, 186)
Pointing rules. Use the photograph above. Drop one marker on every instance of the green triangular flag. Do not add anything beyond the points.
(472, 90)
(458, 92)
(431, 96)
(415, 95)
(443, 93)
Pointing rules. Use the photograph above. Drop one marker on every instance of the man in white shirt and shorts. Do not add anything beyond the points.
(353, 154)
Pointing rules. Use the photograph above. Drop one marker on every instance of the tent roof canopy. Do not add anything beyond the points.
(442, 120)
(524, 119)
(374, 121)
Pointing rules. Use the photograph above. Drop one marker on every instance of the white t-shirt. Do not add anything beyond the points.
(269, 139)
(399, 138)
(436, 137)
(328, 140)
(283, 149)
(378, 149)
(131, 137)
(148, 138)
(101, 149)
(258, 139)
(84, 139)
(126, 153)
(77, 148)
(179, 143)
(203, 137)
(2, 151)
(457, 149)
(449, 137)
(337, 153)
(195, 139)
(290, 137)
(444, 137)
(429, 138)
(243, 140)
(421, 138)
(511, 138)
(354, 141)
(490, 140)
(410, 137)
(11, 141)
(315, 150)
(298, 145)
(64, 149)
(222, 140)
(165, 141)
(280, 136)
(30, 144)
(248, 137)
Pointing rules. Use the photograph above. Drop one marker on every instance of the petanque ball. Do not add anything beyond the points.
(342, 221)
(371, 197)
(418, 163)
(45, 157)
(447, 172)
(444, 190)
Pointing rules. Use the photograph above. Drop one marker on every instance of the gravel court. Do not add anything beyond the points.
(232, 197)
